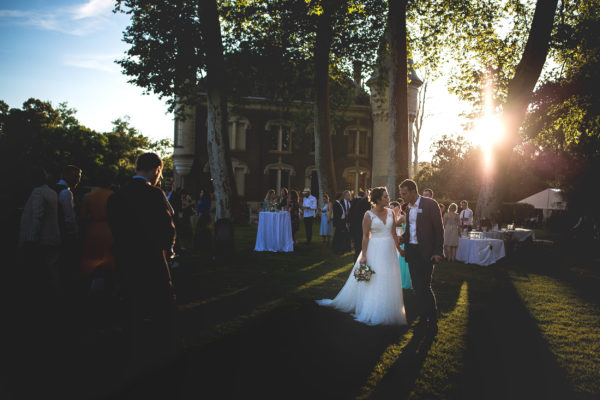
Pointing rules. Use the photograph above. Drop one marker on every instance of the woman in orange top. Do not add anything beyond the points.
(97, 249)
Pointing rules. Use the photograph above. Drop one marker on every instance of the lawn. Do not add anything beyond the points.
(527, 327)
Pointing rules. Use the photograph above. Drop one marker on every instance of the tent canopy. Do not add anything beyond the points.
(547, 199)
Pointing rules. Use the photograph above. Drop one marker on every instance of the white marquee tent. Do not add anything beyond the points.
(547, 200)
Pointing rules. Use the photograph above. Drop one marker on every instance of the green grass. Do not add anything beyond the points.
(219, 301)
(569, 324)
(524, 328)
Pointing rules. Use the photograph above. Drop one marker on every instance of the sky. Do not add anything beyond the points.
(64, 51)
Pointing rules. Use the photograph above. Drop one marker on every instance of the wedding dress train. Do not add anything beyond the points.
(380, 300)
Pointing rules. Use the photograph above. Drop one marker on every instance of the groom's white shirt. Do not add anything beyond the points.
(412, 220)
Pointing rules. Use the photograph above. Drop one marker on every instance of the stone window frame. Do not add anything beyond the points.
(280, 122)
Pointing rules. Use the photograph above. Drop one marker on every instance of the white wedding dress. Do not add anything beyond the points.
(378, 301)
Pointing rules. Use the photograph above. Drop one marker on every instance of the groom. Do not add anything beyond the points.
(423, 239)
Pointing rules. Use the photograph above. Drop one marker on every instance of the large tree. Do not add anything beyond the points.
(173, 45)
(519, 95)
(333, 37)
(218, 140)
(398, 96)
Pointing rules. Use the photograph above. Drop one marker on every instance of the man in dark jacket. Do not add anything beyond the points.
(141, 221)
(423, 242)
(358, 208)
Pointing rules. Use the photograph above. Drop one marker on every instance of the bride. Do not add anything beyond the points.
(378, 301)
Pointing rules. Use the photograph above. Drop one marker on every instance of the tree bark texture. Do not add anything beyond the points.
(520, 90)
(219, 160)
(398, 97)
(324, 161)
(418, 126)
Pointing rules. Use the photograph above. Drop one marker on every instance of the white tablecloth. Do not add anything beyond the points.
(516, 235)
(274, 232)
(480, 251)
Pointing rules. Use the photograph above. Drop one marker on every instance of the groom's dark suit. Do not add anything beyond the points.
(430, 237)
(141, 221)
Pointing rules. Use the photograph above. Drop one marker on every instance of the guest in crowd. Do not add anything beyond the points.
(400, 218)
(39, 235)
(188, 209)
(309, 208)
(466, 216)
(98, 260)
(451, 231)
(283, 199)
(428, 193)
(141, 221)
(203, 237)
(341, 241)
(326, 230)
(70, 253)
(294, 209)
(269, 201)
(174, 197)
(347, 204)
(358, 208)
(70, 178)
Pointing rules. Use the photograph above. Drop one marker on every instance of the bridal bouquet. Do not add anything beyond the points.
(363, 273)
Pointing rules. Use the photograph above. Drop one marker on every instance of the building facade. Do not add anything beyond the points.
(271, 147)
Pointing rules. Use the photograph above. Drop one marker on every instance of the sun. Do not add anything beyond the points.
(488, 131)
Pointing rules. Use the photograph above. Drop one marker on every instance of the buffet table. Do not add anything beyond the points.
(480, 251)
(516, 235)
(274, 232)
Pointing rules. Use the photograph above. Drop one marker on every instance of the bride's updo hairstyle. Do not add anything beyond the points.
(377, 194)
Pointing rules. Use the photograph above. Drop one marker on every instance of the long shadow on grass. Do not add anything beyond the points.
(302, 352)
(560, 262)
(399, 381)
(506, 356)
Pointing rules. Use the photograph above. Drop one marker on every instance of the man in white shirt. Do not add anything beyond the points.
(309, 208)
(466, 216)
(423, 239)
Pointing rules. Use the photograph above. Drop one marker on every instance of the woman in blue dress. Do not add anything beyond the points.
(326, 230)
(398, 210)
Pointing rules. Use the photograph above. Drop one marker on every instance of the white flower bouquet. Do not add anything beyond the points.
(363, 273)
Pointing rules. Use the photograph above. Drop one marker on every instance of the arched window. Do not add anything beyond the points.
(278, 175)
(237, 133)
(279, 133)
(356, 178)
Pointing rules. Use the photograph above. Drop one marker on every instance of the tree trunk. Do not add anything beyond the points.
(219, 160)
(418, 126)
(520, 90)
(398, 97)
(324, 162)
